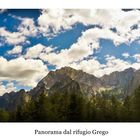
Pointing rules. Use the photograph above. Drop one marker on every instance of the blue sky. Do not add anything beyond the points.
(33, 42)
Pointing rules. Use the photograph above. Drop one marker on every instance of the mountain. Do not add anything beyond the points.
(68, 80)
(122, 81)
(135, 81)
(11, 100)
(89, 84)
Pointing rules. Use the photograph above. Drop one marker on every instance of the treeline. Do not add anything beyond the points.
(75, 107)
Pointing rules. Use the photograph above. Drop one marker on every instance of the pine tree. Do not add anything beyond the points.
(136, 105)
(4, 115)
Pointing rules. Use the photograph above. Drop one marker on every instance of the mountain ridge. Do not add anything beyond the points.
(67, 79)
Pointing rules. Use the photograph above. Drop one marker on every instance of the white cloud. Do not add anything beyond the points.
(13, 38)
(94, 67)
(115, 64)
(25, 72)
(84, 47)
(137, 57)
(25, 29)
(6, 88)
(15, 50)
(54, 20)
(97, 33)
(91, 66)
(58, 19)
(35, 51)
(125, 55)
(122, 23)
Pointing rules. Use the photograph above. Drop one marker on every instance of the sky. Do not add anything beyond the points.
(34, 42)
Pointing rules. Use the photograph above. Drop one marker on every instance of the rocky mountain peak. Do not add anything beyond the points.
(66, 76)
(130, 70)
(67, 80)
(72, 73)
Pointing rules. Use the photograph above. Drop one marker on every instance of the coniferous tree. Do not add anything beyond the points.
(4, 115)
(136, 104)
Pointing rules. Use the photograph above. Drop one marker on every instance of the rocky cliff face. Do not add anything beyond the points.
(89, 84)
(68, 80)
(11, 100)
(125, 81)
(135, 81)
(120, 80)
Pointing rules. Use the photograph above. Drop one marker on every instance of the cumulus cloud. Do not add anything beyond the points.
(26, 28)
(7, 87)
(52, 21)
(116, 25)
(98, 33)
(55, 20)
(94, 67)
(15, 50)
(13, 38)
(91, 66)
(125, 55)
(84, 47)
(35, 51)
(117, 64)
(137, 57)
(26, 72)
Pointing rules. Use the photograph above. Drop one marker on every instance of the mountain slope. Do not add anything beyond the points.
(68, 80)
(125, 81)
(120, 80)
(89, 84)
(11, 100)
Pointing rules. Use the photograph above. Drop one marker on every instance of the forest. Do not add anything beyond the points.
(75, 107)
